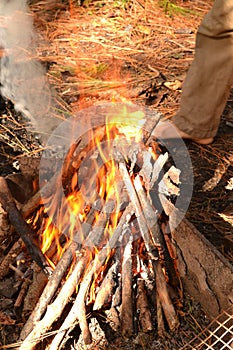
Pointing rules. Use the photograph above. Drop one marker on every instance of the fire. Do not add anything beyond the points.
(101, 183)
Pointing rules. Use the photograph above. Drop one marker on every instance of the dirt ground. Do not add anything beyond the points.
(138, 51)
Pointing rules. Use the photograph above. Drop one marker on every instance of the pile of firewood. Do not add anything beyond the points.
(127, 273)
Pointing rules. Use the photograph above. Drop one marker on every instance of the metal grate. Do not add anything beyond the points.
(217, 336)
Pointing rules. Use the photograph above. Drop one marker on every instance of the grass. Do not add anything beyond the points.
(170, 8)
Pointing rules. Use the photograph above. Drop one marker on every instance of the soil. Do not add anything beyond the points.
(156, 66)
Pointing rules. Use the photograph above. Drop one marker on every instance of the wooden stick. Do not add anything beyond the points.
(22, 293)
(113, 319)
(160, 318)
(158, 237)
(52, 285)
(143, 307)
(146, 234)
(10, 258)
(127, 292)
(34, 292)
(68, 169)
(78, 310)
(113, 313)
(150, 125)
(36, 200)
(168, 307)
(49, 290)
(55, 280)
(73, 162)
(55, 309)
(77, 313)
(161, 283)
(107, 287)
(22, 227)
(95, 237)
(158, 165)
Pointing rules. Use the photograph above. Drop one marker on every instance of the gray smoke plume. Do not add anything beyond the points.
(23, 79)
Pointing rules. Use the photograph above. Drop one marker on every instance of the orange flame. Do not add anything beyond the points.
(74, 208)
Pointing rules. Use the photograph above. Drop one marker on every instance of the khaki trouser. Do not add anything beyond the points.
(210, 77)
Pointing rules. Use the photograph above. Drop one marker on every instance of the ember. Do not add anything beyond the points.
(103, 227)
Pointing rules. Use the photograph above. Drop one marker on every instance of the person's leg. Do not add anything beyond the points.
(206, 87)
(209, 79)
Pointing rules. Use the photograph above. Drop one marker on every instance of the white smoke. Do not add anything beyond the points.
(23, 79)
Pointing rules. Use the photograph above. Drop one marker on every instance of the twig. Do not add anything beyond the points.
(10, 258)
(22, 293)
(21, 227)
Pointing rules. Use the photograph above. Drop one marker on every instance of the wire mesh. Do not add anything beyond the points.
(217, 336)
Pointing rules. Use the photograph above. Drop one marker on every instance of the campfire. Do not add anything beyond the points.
(99, 229)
